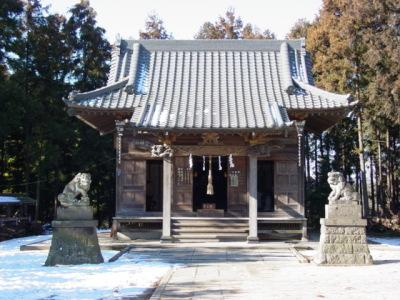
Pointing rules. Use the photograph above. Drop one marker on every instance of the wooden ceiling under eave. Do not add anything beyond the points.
(100, 119)
(318, 121)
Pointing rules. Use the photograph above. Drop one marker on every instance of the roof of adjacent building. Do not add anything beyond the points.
(10, 199)
(208, 84)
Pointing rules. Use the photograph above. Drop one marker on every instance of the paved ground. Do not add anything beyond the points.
(270, 271)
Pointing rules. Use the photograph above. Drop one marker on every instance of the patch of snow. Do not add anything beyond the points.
(392, 241)
(14, 244)
(24, 276)
(9, 199)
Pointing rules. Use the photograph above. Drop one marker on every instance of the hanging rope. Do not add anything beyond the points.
(210, 188)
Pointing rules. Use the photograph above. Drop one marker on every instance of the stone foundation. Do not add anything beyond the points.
(343, 238)
(74, 238)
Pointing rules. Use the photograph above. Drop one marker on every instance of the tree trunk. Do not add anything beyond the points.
(389, 172)
(379, 181)
(3, 164)
(316, 159)
(37, 206)
(364, 192)
(371, 173)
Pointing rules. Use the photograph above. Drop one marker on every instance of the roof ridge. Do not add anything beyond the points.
(76, 96)
(130, 86)
(320, 92)
(212, 45)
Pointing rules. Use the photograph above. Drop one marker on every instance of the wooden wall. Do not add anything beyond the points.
(237, 186)
(131, 187)
(183, 185)
(131, 182)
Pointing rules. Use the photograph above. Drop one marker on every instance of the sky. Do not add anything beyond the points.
(183, 18)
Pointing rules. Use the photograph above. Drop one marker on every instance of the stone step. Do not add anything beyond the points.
(209, 229)
(188, 240)
(209, 223)
(213, 225)
(202, 235)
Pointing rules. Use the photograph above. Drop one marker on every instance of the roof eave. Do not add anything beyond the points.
(287, 126)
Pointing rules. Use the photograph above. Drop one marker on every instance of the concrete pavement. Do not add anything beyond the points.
(269, 271)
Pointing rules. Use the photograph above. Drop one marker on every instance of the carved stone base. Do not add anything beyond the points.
(76, 212)
(343, 239)
(252, 240)
(165, 239)
(74, 241)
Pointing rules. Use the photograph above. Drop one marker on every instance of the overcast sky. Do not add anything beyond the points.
(184, 17)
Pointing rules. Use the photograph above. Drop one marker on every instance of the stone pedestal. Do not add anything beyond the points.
(343, 238)
(74, 237)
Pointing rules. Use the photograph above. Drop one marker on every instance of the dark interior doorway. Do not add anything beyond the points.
(154, 185)
(200, 180)
(265, 185)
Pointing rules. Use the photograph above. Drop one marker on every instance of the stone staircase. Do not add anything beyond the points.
(209, 229)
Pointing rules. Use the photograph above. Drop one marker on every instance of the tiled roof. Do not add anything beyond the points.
(210, 83)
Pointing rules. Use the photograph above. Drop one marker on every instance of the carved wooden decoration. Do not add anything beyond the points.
(181, 150)
(140, 145)
(210, 138)
(256, 138)
(264, 150)
(167, 139)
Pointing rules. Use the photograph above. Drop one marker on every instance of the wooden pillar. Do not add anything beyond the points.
(304, 236)
(167, 197)
(119, 132)
(252, 186)
(301, 179)
(119, 128)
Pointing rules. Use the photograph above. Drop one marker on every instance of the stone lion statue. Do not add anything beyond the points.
(341, 191)
(80, 185)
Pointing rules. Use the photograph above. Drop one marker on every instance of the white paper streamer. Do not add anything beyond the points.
(204, 163)
(219, 163)
(231, 164)
(190, 161)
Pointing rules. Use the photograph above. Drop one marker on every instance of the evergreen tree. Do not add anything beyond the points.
(355, 49)
(250, 32)
(91, 153)
(230, 26)
(154, 29)
(299, 29)
(91, 51)
(41, 146)
(10, 23)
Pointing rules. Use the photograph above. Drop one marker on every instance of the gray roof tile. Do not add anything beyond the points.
(210, 84)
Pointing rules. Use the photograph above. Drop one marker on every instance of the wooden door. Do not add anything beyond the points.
(183, 184)
(237, 186)
(286, 186)
(132, 186)
(154, 185)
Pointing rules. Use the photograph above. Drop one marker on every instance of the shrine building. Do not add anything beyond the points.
(209, 136)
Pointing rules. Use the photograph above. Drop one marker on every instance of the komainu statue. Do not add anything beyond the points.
(341, 191)
(80, 185)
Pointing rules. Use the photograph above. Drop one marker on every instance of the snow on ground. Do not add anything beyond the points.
(24, 276)
(377, 281)
(392, 241)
